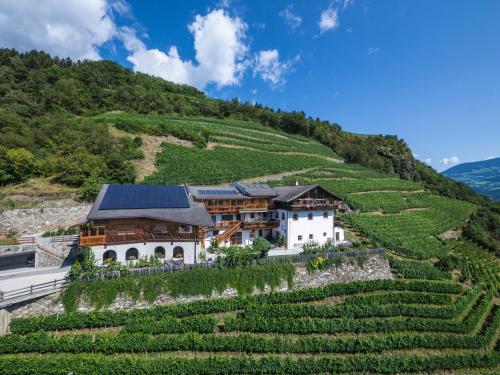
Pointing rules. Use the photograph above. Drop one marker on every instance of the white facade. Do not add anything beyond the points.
(148, 249)
(306, 227)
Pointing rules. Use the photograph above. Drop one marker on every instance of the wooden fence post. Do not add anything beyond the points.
(4, 322)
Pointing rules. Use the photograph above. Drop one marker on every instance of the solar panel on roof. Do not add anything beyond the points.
(118, 197)
(218, 192)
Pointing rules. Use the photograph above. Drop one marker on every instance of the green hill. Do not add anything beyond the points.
(48, 109)
(482, 176)
(82, 124)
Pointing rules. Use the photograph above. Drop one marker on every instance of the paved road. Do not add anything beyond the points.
(27, 278)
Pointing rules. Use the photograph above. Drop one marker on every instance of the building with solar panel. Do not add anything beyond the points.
(129, 222)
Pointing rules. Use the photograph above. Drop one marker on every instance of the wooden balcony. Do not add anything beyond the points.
(225, 223)
(133, 237)
(312, 204)
(234, 208)
(264, 224)
(92, 240)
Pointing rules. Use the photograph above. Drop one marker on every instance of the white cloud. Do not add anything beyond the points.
(268, 65)
(64, 28)
(292, 20)
(452, 160)
(490, 157)
(329, 20)
(428, 161)
(219, 43)
(373, 50)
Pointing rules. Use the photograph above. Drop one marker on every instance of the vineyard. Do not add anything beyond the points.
(265, 150)
(382, 326)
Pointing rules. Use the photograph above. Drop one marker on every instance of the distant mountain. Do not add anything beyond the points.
(483, 176)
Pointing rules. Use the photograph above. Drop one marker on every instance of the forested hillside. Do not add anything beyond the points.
(483, 176)
(46, 118)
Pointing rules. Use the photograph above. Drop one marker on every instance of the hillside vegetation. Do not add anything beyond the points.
(82, 124)
(45, 104)
(483, 176)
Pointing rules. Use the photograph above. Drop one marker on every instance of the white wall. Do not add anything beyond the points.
(320, 227)
(340, 231)
(148, 249)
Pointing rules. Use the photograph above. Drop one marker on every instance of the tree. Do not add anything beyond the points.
(20, 163)
(91, 187)
(262, 246)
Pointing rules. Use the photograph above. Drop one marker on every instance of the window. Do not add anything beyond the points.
(252, 234)
(283, 216)
(227, 217)
(178, 252)
(295, 216)
(324, 234)
(215, 232)
(109, 254)
(184, 228)
(325, 214)
(160, 252)
(214, 218)
(311, 236)
(310, 216)
(299, 238)
(132, 254)
(260, 232)
(252, 216)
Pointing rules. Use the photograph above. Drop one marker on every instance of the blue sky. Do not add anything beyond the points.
(426, 70)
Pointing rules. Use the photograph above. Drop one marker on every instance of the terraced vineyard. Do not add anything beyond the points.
(482, 267)
(384, 326)
(264, 150)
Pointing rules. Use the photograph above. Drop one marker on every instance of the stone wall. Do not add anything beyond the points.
(376, 267)
(54, 214)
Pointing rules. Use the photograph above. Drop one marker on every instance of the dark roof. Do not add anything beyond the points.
(256, 190)
(287, 194)
(194, 214)
(215, 192)
(144, 196)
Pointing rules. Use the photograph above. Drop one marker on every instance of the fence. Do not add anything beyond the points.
(169, 266)
(66, 238)
(38, 290)
(32, 291)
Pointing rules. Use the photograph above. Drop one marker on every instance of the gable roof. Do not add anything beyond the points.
(193, 213)
(287, 194)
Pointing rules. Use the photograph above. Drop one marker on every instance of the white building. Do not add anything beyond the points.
(128, 222)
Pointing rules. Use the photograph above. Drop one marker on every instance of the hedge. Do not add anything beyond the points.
(197, 323)
(318, 325)
(134, 364)
(97, 319)
(363, 311)
(106, 343)
(400, 297)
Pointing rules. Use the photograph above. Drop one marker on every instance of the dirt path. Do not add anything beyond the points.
(388, 191)
(276, 177)
(212, 145)
(151, 146)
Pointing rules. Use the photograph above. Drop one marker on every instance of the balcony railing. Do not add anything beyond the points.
(235, 208)
(131, 237)
(264, 224)
(313, 204)
(225, 223)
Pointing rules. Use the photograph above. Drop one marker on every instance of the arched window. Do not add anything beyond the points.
(160, 252)
(132, 254)
(178, 252)
(109, 254)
